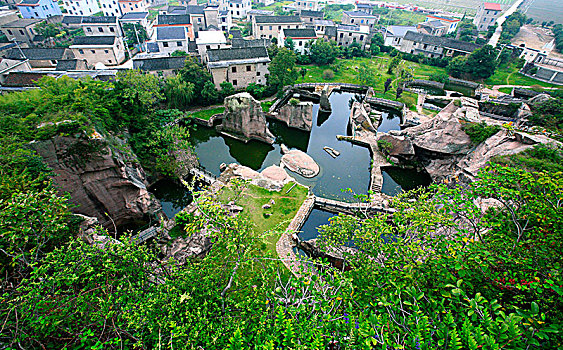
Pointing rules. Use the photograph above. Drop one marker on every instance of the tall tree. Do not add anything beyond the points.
(482, 63)
(323, 52)
(282, 69)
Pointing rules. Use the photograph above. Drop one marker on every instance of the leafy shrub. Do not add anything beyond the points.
(479, 132)
(328, 74)
(384, 146)
(439, 77)
(293, 101)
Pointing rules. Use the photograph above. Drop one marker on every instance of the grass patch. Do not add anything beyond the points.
(275, 5)
(429, 112)
(253, 197)
(206, 114)
(540, 158)
(505, 90)
(509, 75)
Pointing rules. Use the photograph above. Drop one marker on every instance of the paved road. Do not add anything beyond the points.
(496, 36)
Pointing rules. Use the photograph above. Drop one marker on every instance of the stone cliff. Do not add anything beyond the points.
(299, 116)
(244, 119)
(103, 182)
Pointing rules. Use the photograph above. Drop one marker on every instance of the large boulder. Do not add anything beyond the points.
(103, 182)
(244, 119)
(441, 134)
(298, 116)
(301, 163)
(401, 145)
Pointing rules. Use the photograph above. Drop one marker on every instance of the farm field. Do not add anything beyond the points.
(460, 6)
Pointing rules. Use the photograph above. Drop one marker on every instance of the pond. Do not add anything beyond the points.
(429, 90)
(391, 120)
(464, 90)
(172, 196)
(397, 180)
(350, 170)
(310, 228)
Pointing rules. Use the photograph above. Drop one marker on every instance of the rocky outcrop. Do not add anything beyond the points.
(103, 182)
(360, 117)
(301, 163)
(298, 116)
(400, 144)
(181, 249)
(273, 178)
(324, 103)
(244, 119)
(336, 256)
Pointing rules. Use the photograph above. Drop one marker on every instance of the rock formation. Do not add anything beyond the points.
(324, 103)
(103, 182)
(401, 145)
(244, 119)
(360, 118)
(334, 255)
(299, 116)
(301, 163)
(273, 178)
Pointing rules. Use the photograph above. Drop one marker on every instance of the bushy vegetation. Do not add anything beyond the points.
(479, 132)
(546, 158)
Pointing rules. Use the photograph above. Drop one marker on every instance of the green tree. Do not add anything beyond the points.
(457, 67)
(135, 34)
(50, 30)
(387, 85)
(323, 52)
(227, 89)
(282, 69)
(179, 94)
(289, 44)
(141, 92)
(194, 72)
(482, 63)
(209, 93)
(366, 75)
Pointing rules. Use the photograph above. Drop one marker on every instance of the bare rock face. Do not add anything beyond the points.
(402, 146)
(324, 103)
(102, 182)
(182, 249)
(441, 134)
(244, 119)
(301, 163)
(360, 118)
(273, 178)
(299, 116)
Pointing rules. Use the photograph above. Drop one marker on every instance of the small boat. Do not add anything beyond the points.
(333, 153)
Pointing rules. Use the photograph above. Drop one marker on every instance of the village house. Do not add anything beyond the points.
(170, 39)
(435, 46)
(270, 26)
(301, 38)
(449, 22)
(73, 22)
(160, 66)
(101, 26)
(182, 21)
(263, 2)
(252, 13)
(238, 66)
(197, 17)
(365, 7)
(346, 34)
(39, 57)
(127, 6)
(486, 16)
(239, 8)
(313, 5)
(210, 40)
(81, 7)
(21, 30)
(140, 19)
(435, 27)
(107, 50)
(309, 16)
(7, 16)
(8, 65)
(110, 8)
(393, 35)
(39, 8)
(321, 26)
(72, 64)
(360, 18)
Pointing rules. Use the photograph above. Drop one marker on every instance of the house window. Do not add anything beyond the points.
(248, 68)
(257, 74)
(106, 51)
(100, 29)
(9, 32)
(109, 61)
(234, 69)
(81, 51)
(21, 32)
(235, 82)
(261, 27)
(53, 61)
(178, 43)
(93, 51)
(111, 29)
(270, 27)
(165, 44)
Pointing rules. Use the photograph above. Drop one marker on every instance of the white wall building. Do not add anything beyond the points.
(110, 8)
(81, 7)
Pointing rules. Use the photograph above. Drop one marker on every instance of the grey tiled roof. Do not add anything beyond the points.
(94, 40)
(134, 15)
(29, 2)
(99, 19)
(236, 33)
(173, 19)
(152, 47)
(71, 20)
(159, 63)
(277, 19)
(358, 14)
(22, 23)
(239, 42)
(311, 13)
(71, 64)
(170, 33)
(37, 53)
(330, 31)
(300, 33)
(236, 54)
(194, 10)
(441, 41)
(192, 46)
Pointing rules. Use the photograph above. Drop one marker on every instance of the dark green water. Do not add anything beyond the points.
(428, 90)
(396, 180)
(172, 196)
(464, 90)
(311, 226)
(350, 170)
